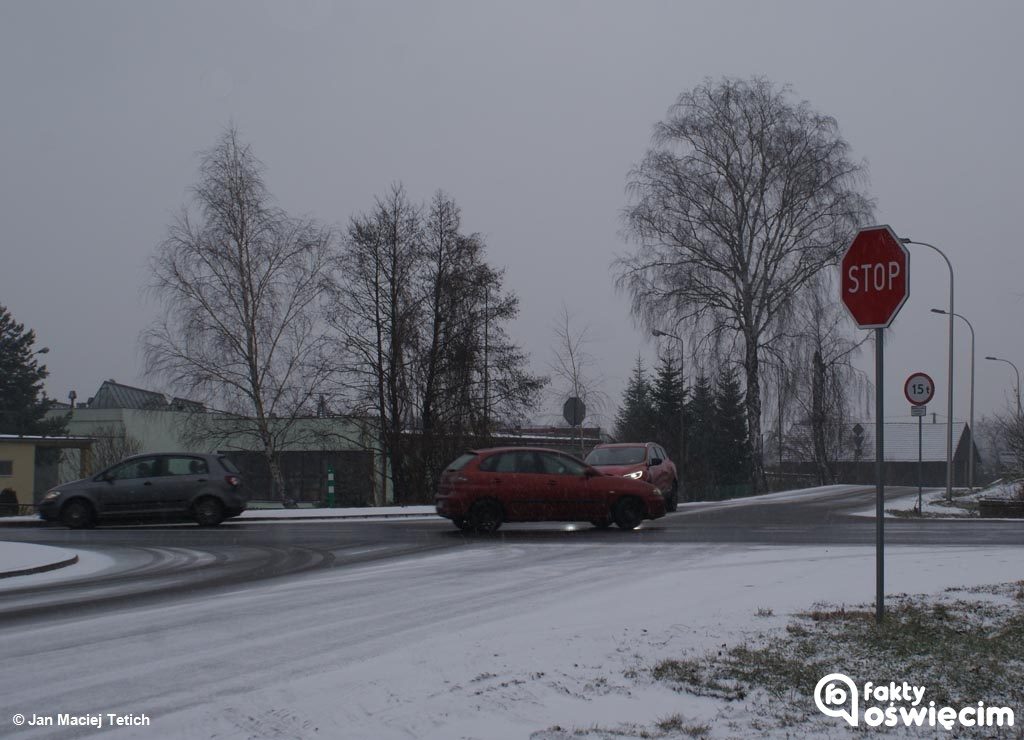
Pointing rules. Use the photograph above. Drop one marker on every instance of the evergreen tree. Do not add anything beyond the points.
(635, 420)
(698, 471)
(732, 451)
(23, 405)
(667, 396)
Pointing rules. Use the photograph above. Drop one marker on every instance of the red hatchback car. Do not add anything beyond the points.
(483, 488)
(646, 461)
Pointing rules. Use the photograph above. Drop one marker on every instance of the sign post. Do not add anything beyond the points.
(919, 390)
(574, 411)
(875, 283)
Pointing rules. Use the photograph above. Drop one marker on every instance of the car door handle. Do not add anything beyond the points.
(496, 480)
(552, 483)
(201, 480)
(148, 483)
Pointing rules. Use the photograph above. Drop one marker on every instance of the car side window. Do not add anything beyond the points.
(517, 461)
(141, 468)
(558, 465)
(187, 466)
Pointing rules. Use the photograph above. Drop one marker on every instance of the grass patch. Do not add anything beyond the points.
(965, 646)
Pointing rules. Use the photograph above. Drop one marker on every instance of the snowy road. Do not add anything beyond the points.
(413, 630)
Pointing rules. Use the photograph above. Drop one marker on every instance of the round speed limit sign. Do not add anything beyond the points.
(919, 389)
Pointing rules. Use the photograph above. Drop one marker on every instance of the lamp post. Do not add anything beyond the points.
(970, 429)
(949, 390)
(1016, 370)
(682, 409)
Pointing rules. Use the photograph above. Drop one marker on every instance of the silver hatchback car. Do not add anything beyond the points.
(206, 488)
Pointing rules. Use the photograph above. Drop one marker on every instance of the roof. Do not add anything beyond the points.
(114, 395)
(41, 441)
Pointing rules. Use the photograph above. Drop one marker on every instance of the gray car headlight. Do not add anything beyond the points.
(50, 495)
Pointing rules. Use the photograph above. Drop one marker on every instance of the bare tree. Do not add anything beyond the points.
(817, 356)
(112, 444)
(574, 367)
(243, 287)
(743, 198)
(422, 316)
(378, 315)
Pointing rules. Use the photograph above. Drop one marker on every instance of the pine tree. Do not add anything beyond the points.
(23, 405)
(698, 471)
(667, 395)
(635, 420)
(732, 451)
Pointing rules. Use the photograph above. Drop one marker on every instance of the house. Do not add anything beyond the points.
(855, 461)
(29, 464)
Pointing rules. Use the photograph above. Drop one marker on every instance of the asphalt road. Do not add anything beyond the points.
(158, 564)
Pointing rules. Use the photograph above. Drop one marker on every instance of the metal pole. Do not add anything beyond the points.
(680, 468)
(879, 481)
(970, 430)
(949, 390)
(921, 421)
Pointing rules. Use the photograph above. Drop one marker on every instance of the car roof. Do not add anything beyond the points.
(625, 444)
(492, 450)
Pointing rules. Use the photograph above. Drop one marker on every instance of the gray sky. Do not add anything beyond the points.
(529, 113)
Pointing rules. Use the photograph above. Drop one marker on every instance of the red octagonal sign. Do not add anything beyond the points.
(875, 277)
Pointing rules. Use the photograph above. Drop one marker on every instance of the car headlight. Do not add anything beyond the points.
(50, 495)
(634, 475)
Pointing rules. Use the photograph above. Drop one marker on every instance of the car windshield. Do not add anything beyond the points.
(617, 455)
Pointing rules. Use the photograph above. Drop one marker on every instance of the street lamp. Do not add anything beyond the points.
(682, 407)
(1016, 370)
(949, 390)
(970, 429)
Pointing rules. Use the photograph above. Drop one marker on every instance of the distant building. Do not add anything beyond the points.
(855, 462)
(150, 421)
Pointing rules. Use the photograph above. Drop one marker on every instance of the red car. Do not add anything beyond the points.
(483, 488)
(646, 461)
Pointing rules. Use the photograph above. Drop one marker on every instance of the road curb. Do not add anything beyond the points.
(39, 568)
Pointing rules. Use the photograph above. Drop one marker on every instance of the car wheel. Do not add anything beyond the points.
(628, 513)
(602, 523)
(208, 512)
(672, 500)
(485, 516)
(78, 514)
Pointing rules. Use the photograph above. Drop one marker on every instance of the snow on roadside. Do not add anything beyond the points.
(15, 556)
(567, 652)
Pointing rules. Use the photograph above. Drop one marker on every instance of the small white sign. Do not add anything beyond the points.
(918, 410)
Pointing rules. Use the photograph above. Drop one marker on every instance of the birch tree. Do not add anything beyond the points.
(242, 287)
(743, 197)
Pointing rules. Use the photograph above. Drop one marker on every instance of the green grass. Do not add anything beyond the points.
(964, 646)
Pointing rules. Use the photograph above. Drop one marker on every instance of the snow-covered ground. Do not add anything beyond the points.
(492, 641)
(18, 557)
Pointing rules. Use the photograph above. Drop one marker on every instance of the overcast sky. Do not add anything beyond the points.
(529, 113)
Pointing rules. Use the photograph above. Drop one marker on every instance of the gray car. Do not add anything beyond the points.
(206, 488)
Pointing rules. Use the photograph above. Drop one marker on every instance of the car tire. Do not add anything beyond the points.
(78, 514)
(485, 516)
(628, 512)
(208, 512)
(672, 500)
(461, 523)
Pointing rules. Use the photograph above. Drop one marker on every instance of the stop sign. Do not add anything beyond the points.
(875, 277)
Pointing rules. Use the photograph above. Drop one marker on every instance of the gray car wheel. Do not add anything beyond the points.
(208, 512)
(78, 514)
